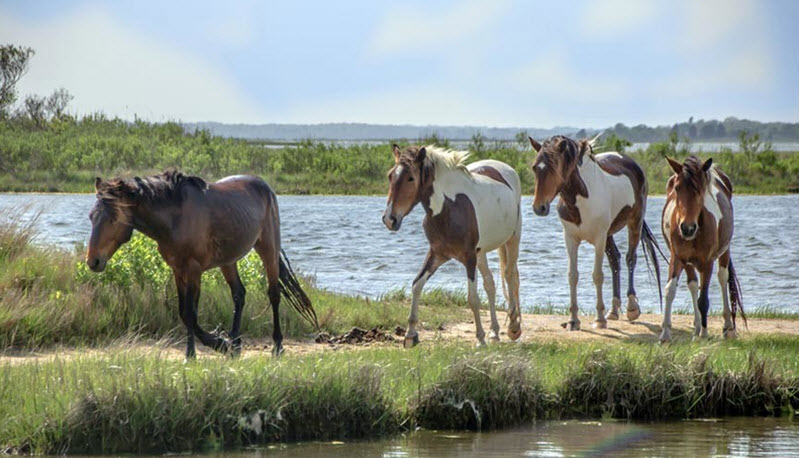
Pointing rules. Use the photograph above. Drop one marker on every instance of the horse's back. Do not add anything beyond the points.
(618, 164)
(498, 171)
(496, 199)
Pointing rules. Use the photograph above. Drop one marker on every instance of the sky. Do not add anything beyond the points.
(492, 63)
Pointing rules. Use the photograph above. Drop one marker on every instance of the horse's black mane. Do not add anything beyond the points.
(163, 188)
(559, 144)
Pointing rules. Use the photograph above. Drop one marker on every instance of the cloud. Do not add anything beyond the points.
(552, 76)
(111, 68)
(610, 19)
(408, 30)
(705, 24)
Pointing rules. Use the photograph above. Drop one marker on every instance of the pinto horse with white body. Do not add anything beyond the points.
(697, 222)
(470, 210)
(598, 196)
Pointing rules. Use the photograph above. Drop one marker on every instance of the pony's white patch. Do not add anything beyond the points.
(496, 205)
(608, 195)
(398, 170)
(710, 201)
(541, 166)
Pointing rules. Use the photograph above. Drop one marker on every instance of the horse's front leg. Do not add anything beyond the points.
(231, 274)
(572, 244)
(180, 283)
(432, 262)
(675, 269)
(472, 297)
(597, 276)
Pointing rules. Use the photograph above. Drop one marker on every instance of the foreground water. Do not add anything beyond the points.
(343, 243)
(751, 437)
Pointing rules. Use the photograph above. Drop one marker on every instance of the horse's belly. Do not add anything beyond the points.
(498, 219)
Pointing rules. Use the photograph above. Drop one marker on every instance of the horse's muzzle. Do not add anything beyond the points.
(391, 222)
(541, 210)
(688, 231)
(96, 264)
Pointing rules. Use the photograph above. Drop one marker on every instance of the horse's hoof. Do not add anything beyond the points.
(277, 351)
(730, 334)
(666, 336)
(600, 324)
(572, 325)
(481, 343)
(612, 316)
(633, 314)
(410, 342)
(493, 337)
(514, 334)
(633, 311)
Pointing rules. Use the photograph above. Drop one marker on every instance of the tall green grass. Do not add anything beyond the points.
(130, 402)
(66, 156)
(49, 297)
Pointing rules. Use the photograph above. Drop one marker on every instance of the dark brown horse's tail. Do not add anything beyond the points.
(291, 291)
(649, 247)
(735, 293)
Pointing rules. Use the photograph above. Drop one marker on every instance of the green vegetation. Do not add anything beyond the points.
(49, 297)
(132, 402)
(63, 154)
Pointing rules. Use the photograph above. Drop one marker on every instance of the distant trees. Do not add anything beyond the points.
(14, 62)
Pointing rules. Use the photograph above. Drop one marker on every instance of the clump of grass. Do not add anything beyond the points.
(482, 393)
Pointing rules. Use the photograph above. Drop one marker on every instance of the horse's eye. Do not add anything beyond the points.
(410, 178)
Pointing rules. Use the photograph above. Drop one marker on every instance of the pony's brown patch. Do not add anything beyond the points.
(492, 173)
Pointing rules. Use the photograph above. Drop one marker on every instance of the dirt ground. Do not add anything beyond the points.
(535, 328)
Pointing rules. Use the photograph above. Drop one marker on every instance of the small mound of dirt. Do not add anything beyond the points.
(355, 336)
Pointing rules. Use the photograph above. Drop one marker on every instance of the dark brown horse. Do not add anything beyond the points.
(197, 227)
(599, 196)
(697, 222)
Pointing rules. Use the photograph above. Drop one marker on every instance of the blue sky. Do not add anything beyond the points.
(493, 63)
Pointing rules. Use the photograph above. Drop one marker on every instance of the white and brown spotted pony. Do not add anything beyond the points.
(470, 210)
(697, 223)
(598, 196)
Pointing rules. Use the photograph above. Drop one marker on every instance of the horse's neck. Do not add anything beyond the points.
(151, 222)
(444, 184)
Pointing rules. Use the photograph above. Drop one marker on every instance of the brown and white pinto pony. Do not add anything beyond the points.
(598, 196)
(200, 226)
(697, 222)
(470, 210)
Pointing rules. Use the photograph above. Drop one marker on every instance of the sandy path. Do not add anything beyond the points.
(536, 328)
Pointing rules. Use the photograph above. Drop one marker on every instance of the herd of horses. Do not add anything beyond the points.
(470, 210)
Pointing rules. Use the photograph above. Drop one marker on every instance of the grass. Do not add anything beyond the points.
(130, 402)
(66, 155)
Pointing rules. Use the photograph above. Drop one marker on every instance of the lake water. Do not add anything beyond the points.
(343, 243)
(750, 437)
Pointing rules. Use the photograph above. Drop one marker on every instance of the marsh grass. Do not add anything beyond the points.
(49, 297)
(129, 401)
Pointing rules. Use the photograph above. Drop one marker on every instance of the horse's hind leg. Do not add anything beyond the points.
(269, 252)
(728, 329)
(231, 274)
(612, 253)
(488, 286)
(509, 256)
(634, 235)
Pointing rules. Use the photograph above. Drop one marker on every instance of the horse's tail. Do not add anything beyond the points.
(291, 291)
(649, 247)
(735, 293)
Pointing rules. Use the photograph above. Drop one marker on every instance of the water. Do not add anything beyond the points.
(342, 241)
(751, 437)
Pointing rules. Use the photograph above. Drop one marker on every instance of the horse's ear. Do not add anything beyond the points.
(97, 182)
(536, 146)
(421, 154)
(707, 164)
(676, 166)
(396, 152)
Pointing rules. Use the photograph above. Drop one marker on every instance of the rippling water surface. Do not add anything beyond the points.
(342, 241)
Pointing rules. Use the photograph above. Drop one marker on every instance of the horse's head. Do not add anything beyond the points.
(556, 160)
(407, 178)
(688, 186)
(111, 222)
